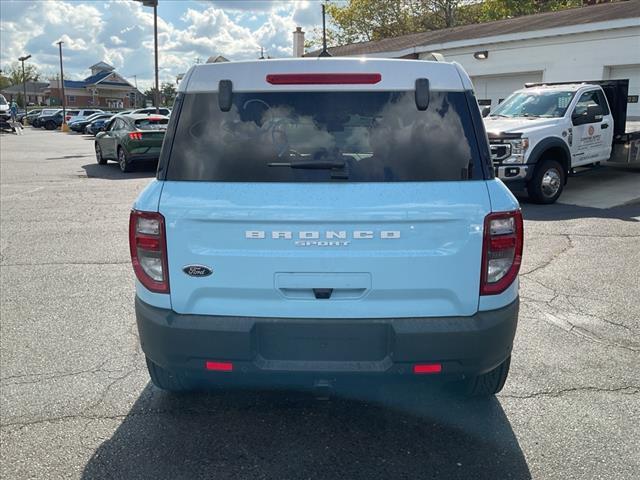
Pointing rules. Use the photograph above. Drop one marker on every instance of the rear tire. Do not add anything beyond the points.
(547, 182)
(123, 161)
(169, 380)
(50, 125)
(488, 383)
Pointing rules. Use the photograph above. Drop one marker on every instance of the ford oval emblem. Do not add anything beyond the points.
(197, 270)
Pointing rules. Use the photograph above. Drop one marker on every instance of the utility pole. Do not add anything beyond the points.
(135, 95)
(155, 39)
(154, 4)
(63, 127)
(24, 84)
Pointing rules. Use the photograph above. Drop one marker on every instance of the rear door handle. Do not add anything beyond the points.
(604, 125)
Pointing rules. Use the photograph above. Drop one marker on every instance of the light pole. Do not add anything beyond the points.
(154, 4)
(24, 83)
(63, 127)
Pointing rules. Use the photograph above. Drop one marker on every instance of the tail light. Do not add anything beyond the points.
(501, 251)
(67, 118)
(135, 136)
(148, 245)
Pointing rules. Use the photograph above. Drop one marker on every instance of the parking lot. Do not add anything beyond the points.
(76, 401)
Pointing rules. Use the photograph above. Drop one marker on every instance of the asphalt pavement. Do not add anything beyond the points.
(76, 402)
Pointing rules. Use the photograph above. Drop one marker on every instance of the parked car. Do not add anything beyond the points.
(98, 124)
(51, 122)
(80, 124)
(4, 108)
(350, 227)
(46, 112)
(152, 111)
(131, 139)
(32, 115)
(74, 115)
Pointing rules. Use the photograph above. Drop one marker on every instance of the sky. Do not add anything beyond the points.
(120, 32)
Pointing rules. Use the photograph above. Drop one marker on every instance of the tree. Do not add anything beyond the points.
(168, 93)
(500, 9)
(4, 82)
(14, 73)
(365, 20)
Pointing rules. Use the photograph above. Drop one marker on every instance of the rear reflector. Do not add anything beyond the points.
(427, 368)
(219, 366)
(323, 78)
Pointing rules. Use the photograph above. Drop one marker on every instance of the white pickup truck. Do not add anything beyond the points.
(539, 134)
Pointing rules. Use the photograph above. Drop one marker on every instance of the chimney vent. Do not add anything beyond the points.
(298, 42)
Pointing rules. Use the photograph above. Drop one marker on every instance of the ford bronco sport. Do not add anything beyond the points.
(326, 217)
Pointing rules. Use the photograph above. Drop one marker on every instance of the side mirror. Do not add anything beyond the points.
(592, 114)
(485, 111)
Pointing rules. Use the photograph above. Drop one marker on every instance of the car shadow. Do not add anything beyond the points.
(361, 432)
(111, 171)
(560, 211)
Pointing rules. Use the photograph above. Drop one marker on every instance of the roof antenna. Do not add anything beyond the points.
(324, 52)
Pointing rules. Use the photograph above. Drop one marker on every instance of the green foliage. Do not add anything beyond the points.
(500, 9)
(4, 82)
(168, 93)
(364, 20)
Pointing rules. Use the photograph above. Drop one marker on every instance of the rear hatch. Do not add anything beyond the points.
(149, 135)
(325, 204)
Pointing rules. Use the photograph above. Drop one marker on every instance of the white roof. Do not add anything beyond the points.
(565, 87)
(395, 74)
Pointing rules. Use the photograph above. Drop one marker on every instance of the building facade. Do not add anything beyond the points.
(103, 88)
(596, 42)
(36, 93)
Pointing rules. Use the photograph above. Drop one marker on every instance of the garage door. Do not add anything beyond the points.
(494, 88)
(631, 72)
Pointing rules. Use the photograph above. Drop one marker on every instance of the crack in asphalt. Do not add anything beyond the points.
(625, 390)
(555, 256)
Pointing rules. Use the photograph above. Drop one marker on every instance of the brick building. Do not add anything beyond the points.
(103, 88)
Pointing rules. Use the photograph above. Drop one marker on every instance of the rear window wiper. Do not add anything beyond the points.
(311, 164)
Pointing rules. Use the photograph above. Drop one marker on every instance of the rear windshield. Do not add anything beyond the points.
(324, 136)
(152, 124)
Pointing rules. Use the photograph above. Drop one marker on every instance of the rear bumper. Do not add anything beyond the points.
(464, 346)
(143, 157)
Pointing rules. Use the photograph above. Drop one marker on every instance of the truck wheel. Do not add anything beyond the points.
(168, 380)
(547, 182)
(489, 383)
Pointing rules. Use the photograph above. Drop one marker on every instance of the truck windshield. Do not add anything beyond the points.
(534, 103)
(324, 136)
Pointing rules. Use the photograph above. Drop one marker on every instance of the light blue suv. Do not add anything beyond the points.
(326, 218)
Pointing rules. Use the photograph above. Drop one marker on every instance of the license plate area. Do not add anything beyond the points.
(328, 342)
